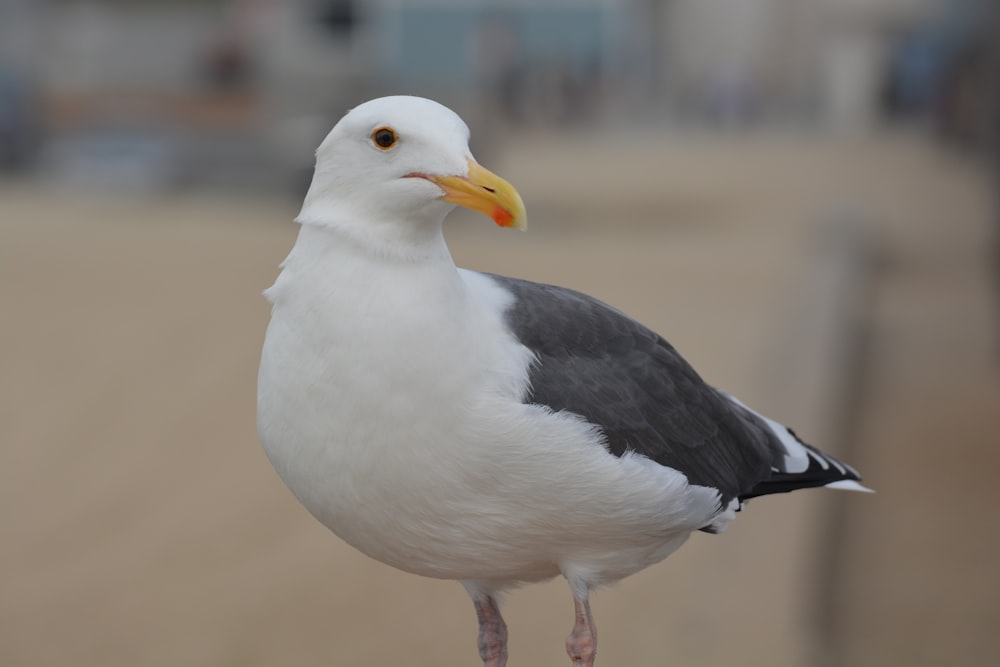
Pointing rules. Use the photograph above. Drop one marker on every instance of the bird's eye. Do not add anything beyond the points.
(384, 138)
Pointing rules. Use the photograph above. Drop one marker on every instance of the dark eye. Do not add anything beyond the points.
(384, 138)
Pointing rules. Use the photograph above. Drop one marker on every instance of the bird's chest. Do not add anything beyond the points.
(363, 395)
(352, 370)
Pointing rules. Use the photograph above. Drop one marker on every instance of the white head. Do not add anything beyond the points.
(395, 166)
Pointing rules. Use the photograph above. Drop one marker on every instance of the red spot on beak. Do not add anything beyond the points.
(502, 216)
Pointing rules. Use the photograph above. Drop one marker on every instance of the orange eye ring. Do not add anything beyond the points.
(384, 138)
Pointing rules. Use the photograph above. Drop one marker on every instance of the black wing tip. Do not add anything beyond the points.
(823, 470)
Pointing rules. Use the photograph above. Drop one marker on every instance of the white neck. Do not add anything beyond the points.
(414, 242)
(381, 229)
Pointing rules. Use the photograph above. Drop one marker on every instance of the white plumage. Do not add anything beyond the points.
(396, 397)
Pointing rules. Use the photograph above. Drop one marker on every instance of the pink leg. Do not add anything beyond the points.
(582, 641)
(492, 633)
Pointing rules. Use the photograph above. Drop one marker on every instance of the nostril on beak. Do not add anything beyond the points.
(490, 190)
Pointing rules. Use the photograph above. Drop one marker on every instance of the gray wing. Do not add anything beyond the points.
(596, 362)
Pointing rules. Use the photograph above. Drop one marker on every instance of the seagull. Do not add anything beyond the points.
(481, 428)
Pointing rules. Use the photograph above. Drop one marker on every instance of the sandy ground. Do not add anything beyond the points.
(142, 525)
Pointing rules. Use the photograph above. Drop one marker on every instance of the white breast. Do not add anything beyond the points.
(390, 402)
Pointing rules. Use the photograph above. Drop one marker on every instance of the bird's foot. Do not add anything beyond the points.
(582, 650)
(581, 645)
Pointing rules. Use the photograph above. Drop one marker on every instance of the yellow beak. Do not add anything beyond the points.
(485, 192)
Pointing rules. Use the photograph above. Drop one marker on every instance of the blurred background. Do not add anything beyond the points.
(800, 194)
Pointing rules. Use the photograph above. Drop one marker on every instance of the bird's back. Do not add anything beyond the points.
(595, 361)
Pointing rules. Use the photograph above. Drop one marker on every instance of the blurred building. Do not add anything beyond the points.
(242, 90)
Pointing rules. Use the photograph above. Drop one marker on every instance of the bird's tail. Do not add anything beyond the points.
(802, 466)
(820, 470)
